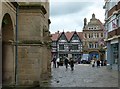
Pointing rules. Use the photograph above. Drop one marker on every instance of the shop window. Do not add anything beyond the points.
(115, 53)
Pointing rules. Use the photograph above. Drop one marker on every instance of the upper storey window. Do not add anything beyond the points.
(74, 47)
(75, 37)
(62, 38)
(93, 28)
(61, 47)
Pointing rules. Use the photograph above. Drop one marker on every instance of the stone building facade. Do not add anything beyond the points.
(112, 25)
(93, 38)
(67, 44)
(25, 41)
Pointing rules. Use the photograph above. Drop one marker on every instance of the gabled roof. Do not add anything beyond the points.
(94, 22)
(102, 25)
(55, 36)
(62, 33)
(67, 34)
(80, 34)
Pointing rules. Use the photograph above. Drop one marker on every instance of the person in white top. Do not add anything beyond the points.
(58, 62)
(93, 62)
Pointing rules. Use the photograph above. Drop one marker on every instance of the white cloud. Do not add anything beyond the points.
(76, 0)
(70, 17)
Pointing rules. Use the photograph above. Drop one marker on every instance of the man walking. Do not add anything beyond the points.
(98, 63)
(66, 63)
(54, 62)
(72, 64)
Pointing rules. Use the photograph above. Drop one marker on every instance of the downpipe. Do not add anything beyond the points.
(16, 48)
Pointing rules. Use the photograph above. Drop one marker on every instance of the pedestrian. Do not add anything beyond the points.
(72, 64)
(105, 62)
(66, 63)
(98, 63)
(54, 62)
(58, 62)
(102, 62)
(93, 63)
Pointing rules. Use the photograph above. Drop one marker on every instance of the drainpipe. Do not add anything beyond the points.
(119, 55)
(16, 48)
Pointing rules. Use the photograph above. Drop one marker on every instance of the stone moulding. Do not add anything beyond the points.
(41, 7)
(30, 42)
(33, 43)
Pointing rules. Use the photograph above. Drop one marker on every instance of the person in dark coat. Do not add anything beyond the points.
(66, 63)
(72, 64)
(98, 63)
(54, 62)
(102, 62)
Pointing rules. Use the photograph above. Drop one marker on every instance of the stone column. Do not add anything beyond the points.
(32, 39)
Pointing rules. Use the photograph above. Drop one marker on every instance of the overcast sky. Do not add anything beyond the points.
(68, 15)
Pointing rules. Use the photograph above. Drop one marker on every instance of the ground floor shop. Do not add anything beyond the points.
(113, 54)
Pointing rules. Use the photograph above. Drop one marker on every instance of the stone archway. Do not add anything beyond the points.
(7, 50)
(94, 54)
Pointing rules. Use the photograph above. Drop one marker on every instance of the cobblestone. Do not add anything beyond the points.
(83, 76)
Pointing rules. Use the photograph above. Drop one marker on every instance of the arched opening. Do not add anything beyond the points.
(7, 50)
(94, 54)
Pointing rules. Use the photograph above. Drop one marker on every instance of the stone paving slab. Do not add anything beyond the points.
(83, 76)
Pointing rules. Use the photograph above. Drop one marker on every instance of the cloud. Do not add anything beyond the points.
(69, 16)
(66, 23)
(77, 0)
(64, 8)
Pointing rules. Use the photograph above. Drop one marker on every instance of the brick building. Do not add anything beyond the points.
(93, 38)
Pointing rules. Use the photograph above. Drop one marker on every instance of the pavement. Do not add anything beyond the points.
(83, 75)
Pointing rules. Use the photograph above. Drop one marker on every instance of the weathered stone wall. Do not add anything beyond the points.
(33, 39)
(45, 63)
(11, 10)
(30, 25)
(33, 44)
(8, 55)
(34, 64)
(29, 64)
